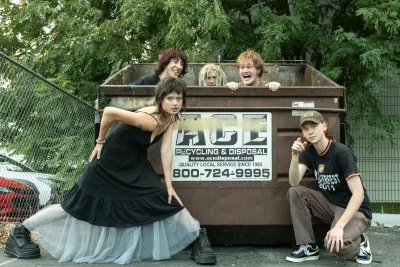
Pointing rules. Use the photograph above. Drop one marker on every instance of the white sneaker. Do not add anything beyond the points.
(365, 255)
(304, 253)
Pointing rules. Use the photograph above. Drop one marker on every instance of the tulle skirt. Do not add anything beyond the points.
(70, 239)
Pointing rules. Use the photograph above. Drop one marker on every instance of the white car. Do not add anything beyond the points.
(40, 182)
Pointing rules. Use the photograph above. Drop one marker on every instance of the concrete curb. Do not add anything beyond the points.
(385, 220)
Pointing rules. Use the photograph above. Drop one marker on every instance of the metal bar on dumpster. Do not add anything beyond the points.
(113, 90)
(249, 108)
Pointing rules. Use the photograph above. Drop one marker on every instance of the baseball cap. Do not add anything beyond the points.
(311, 115)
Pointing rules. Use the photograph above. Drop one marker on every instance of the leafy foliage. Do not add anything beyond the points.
(367, 58)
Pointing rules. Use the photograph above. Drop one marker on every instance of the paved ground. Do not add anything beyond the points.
(385, 244)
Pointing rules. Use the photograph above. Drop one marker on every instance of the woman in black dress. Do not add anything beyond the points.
(119, 211)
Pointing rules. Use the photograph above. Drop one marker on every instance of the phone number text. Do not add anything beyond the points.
(218, 173)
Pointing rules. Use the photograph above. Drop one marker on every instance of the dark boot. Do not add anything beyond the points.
(202, 252)
(20, 245)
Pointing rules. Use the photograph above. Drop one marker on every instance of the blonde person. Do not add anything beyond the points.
(251, 66)
(212, 75)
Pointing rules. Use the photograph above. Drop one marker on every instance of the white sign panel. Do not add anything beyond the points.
(223, 146)
(301, 104)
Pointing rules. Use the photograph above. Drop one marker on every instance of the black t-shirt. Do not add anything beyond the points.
(332, 169)
(151, 79)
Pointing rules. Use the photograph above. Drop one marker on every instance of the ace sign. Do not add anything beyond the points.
(220, 146)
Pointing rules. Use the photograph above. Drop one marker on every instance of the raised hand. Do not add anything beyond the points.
(298, 146)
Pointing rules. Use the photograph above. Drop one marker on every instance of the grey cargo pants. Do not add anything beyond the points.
(305, 202)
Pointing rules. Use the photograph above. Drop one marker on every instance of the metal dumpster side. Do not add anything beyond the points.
(252, 211)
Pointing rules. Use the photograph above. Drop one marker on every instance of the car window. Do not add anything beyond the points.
(7, 164)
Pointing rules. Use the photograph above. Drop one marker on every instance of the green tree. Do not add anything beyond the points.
(363, 60)
(78, 44)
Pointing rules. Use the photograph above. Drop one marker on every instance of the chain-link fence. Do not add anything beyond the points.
(46, 136)
(380, 167)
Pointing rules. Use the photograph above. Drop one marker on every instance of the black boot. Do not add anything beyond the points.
(20, 245)
(202, 252)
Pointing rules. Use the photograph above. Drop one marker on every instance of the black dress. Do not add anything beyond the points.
(121, 189)
(118, 211)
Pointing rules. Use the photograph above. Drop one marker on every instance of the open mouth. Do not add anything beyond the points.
(246, 76)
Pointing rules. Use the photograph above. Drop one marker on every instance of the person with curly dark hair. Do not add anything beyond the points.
(171, 62)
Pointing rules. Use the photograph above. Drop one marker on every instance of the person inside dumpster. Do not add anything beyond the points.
(171, 62)
(119, 211)
(251, 66)
(341, 201)
(212, 75)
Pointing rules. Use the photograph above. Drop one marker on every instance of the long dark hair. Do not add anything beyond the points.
(168, 86)
(166, 56)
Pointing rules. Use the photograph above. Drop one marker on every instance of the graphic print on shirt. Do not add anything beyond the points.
(321, 168)
(326, 181)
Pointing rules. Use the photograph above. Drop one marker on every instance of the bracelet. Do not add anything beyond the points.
(98, 141)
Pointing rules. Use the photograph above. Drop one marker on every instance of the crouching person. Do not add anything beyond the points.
(341, 202)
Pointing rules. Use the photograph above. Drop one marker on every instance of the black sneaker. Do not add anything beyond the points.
(202, 252)
(304, 253)
(365, 256)
(20, 245)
